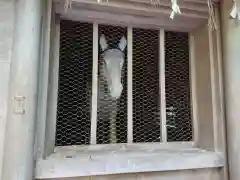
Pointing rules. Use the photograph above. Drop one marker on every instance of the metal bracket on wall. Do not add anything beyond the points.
(19, 105)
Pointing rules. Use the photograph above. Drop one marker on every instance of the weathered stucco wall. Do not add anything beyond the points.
(231, 64)
(6, 38)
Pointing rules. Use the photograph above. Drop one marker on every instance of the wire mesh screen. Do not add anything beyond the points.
(112, 114)
(146, 100)
(75, 87)
(178, 106)
(74, 93)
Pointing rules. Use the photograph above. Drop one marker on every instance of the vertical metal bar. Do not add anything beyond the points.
(94, 85)
(130, 95)
(162, 86)
(193, 89)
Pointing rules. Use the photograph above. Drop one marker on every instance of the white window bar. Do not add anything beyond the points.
(193, 88)
(94, 85)
(129, 84)
(162, 86)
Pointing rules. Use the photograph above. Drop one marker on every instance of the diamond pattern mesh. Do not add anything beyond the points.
(178, 106)
(75, 72)
(146, 122)
(107, 125)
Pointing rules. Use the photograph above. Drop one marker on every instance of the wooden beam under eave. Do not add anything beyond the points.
(133, 12)
(124, 20)
(195, 6)
(133, 8)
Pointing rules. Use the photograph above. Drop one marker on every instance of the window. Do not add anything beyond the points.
(154, 106)
(166, 97)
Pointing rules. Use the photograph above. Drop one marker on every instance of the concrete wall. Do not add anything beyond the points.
(6, 39)
(231, 63)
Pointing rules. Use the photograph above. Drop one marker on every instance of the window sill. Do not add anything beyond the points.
(77, 161)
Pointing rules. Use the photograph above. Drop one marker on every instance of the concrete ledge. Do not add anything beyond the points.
(74, 162)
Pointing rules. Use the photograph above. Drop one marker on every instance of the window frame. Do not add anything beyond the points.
(48, 138)
(170, 153)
